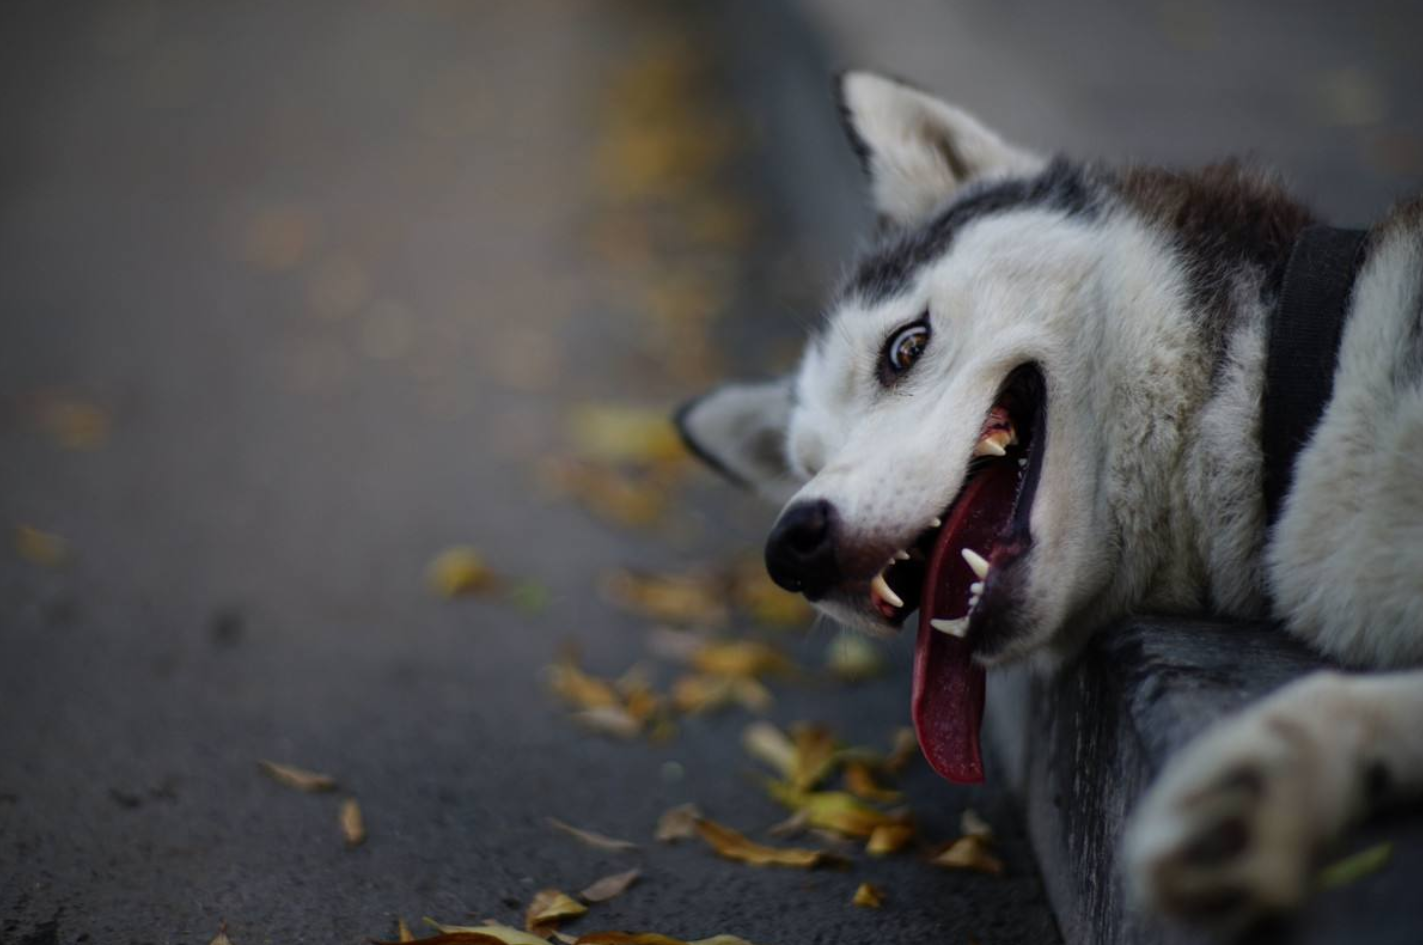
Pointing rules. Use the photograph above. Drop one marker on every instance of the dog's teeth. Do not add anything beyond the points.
(936, 522)
(954, 628)
(976, 561)
(901, 556)
(989, 447)
(976, 588)
(881, 587)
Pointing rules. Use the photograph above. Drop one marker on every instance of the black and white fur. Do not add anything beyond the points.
(1143, 295)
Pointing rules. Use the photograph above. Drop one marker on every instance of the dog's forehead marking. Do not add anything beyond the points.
(890, 268)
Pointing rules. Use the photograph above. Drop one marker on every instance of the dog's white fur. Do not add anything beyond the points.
(1150, 494)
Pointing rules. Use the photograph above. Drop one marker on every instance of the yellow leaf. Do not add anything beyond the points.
(853, 657)
(548, 908)
(905, 749)
(969, 853)
(768, 744)
(815, 755)
(611, 720)
(619, 434)
(293, 777)
(402, 931)
(679, 823)
(861, 783)
(591, 838)
(696, 695)
(744, 658)
(458, 571)
(610, 887)
(221, 937)
(736, 846)
(503, 934)
(39, 547)
(868, 896)
(889, 838)
(353, 825)
(580, 689)
(833, 810)
(685, 599)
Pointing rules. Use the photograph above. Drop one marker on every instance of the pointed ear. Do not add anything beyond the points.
(916, 149)
(739, 430)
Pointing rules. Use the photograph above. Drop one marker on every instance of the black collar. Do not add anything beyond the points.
(1304, 348)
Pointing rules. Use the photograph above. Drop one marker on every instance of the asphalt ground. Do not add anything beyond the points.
(297, 296)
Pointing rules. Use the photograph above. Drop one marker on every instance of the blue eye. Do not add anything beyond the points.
(906, 347)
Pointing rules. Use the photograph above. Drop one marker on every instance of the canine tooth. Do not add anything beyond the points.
(989, 447)
(954, 628)
(976, 561)
(881, 587)
(976, 588)
(901, 556)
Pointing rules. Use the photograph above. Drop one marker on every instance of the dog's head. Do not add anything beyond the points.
(923, 447)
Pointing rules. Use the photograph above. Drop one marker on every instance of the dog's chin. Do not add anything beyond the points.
(857, 616)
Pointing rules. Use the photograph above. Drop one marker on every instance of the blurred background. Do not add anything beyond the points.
(336, 342)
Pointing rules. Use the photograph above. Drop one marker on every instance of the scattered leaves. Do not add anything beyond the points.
(969, 853)
(611, 720)
(299, 778)
(695, 599)
(860, 781)
(578, 688)
(815, 755)
(737, 846)
(868, 896)
(701, 693)
(838, 811)
(550, 907)
(621, 434)
(459, 571)
(889, 838)
(652, 938)
(353, 825)
(610, 887)
(679, 823)
(490, 934)
(40, 547)
(591, 838)
(402, 931)
(748, 659)
(769, 745)
(1353, 868)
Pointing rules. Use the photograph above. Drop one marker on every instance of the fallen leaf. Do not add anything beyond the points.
(548, 908)
(611, 720)
(679, 823)
(868, 896)
(904, 749)
(460, 938)
(889, 838)
(221, 937)
(793, 826)
(40, 547)
(839, 811)
(353, 825)
(1353, 868)
(621, 434)
(652, 938)
(490, 934)
(972, 825)
(969, 853)
(402, 931)
(580, 689)
(683, 599)
(737, 846)
(293, 777)
(610, 887)
(815, 757)
(853, 657)
(459, 571)
(749, 659)
(860, 782)
(700, 694)
(769, 745)
(591, 838)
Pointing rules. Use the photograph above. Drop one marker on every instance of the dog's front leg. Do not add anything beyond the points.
(1231, 828)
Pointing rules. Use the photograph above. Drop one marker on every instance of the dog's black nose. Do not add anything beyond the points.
(800, 554)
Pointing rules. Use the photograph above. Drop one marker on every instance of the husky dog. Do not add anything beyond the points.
(1035, 405)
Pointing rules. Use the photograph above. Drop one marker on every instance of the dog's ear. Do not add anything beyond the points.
(916, 149)
(739, 430)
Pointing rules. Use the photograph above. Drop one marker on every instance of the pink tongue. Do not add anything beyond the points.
(948, 686)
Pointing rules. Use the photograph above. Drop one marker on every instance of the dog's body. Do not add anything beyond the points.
(1138, 302)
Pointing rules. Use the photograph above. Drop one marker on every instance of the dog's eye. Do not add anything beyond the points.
(906, 346)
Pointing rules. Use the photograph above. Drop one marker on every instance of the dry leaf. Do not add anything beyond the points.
(39, 547)
(652, 938)
(972, 825)
(852, 657)
(685, 599)
(491, 934)
(611, 720)
(969, 853)
(749, 659)
(548, 908)
(580, 689)
(299, 778)
(610, 887)
(221, 937)
(860, 782)
(679, 823)
(904, 749)
(619, 434)
(596, 840)
(736, 846)
(793, 826)
(565, 938)
(768, 744)
(832, 810)
(402, 931)
(458, 938)
(458, 571)
(868, 896)
(696, 695)
(815, 757)
(889, 838)
(353, 825)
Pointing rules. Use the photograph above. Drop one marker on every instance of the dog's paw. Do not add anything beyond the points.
(1229, 831)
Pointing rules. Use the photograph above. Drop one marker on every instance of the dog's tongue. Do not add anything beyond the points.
(948, 685)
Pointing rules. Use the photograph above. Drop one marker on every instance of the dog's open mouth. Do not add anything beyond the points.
(960, 575)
